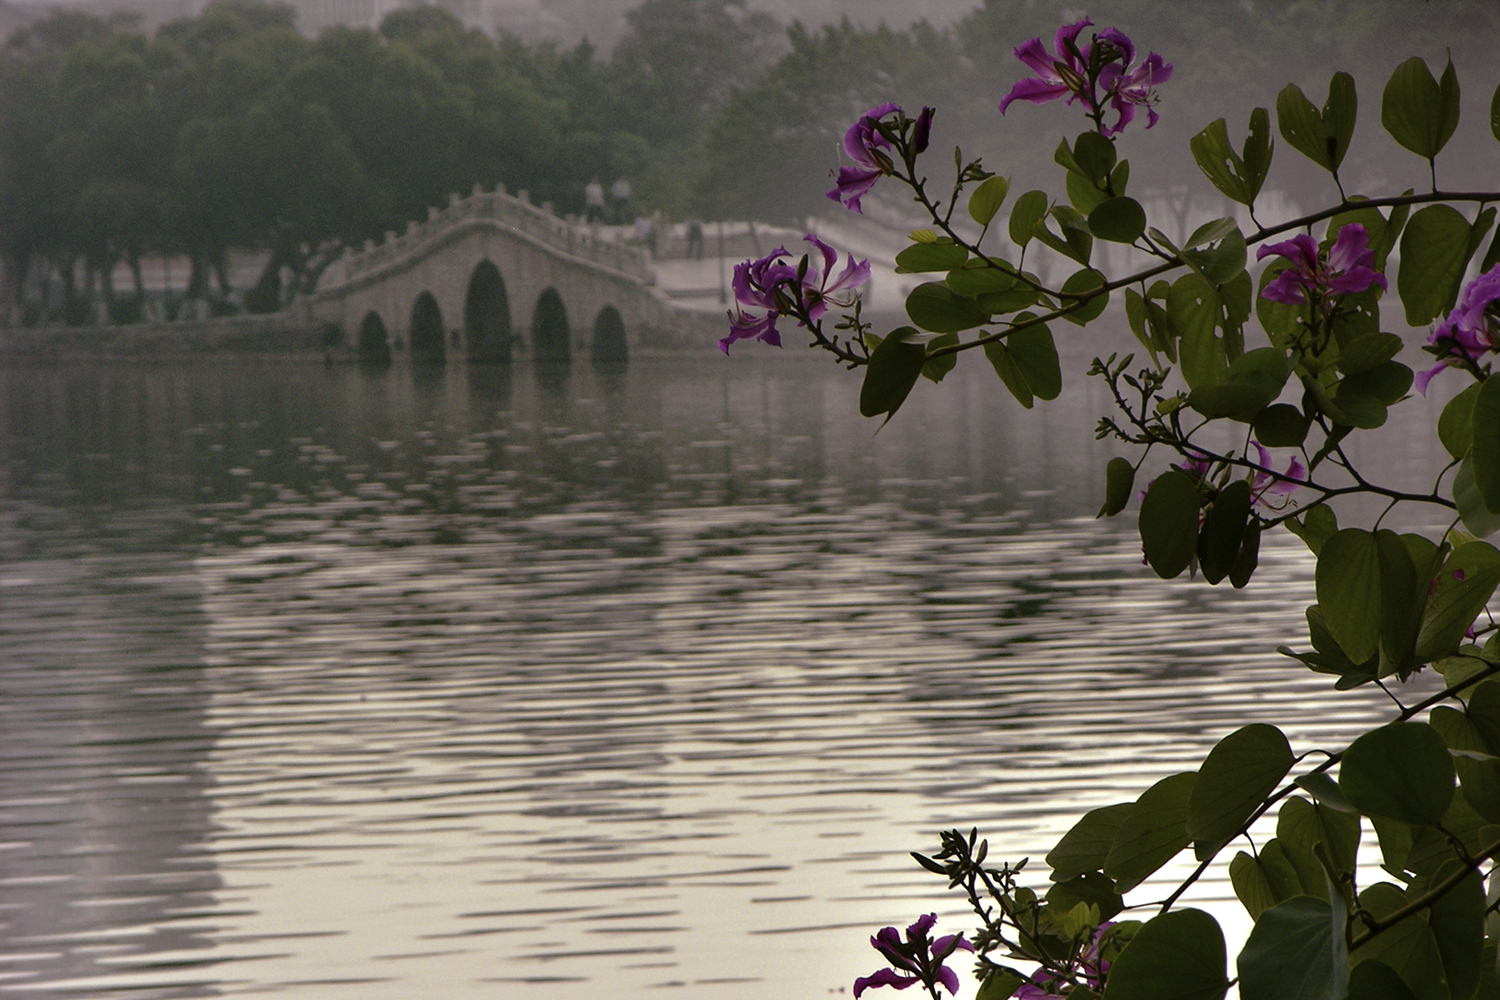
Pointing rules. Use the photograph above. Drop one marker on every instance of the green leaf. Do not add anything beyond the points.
(1322, 138)
(1075, 242)
(1222, 262)
(1085, 847)
(999, 986)
(1179, 955)
(1417, 111)
(1211, 232)
(1233, 400)
(1257, 151)
(1434, 253)
(1296, 951)
(1094, 156)
(1371, 980)
(1402, 596)
(1323, 788)
(1119, 481)
(1436, 953)
(1193, 309)
(937, 367)
(1219, 539)
(1477, 766)
(1459, 593)
(1118, 220)
(1088, 887)
(1484, 710)
(1367, 352)
(1027, 362)
(1028, 210)
(894, 368)
(1004, 362)
(1485, 428)
(987, 199)
(1495, 113)
(934, 306)
(1386, 384)
(1304, 829)
(979, 277)
(1348, 585)
(1248, 558)
(1251, 885)
(1238, 177)
(1265, 368)
(1152, 833)
(1135, 314)
(1354, 409)
(1267, 879)
(1317, 524)
(1239, 772)
(1299, 833)
(1169, 523)
(1082, 282)
(1281, 426)
(921, 257)
(1477, 518)
(1083, 193)
(1401, 771)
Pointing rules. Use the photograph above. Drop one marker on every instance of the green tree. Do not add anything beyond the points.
(766, 155)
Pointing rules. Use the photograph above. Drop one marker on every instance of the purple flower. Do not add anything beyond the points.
(1129, 89)
(922, 130)
(1075, 72)
(818, 293)
(1471, 329)
(770, 284)
(1342, 270)
(1091, 971)
(863, 144)
(917, 960)
(1266, 482)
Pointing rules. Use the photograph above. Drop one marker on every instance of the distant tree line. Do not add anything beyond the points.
(231, 130)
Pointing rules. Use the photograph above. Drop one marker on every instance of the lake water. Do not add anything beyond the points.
(325, 683)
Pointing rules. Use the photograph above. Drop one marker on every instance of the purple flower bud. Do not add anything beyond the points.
(921, 131)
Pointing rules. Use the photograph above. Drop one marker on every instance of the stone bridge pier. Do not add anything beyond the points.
(493, 276)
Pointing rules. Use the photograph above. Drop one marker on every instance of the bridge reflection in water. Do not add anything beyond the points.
(446, 288)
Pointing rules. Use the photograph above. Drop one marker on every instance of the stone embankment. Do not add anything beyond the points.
(279, 333)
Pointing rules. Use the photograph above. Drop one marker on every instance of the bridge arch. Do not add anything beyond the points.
(551, 336)
(487, 314)
(374, 342)
(428, 341)
(609, 343)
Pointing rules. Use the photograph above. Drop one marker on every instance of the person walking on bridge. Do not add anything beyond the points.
(593, 201)
(620, 192)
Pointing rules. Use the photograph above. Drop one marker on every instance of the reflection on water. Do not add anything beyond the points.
(565, 683)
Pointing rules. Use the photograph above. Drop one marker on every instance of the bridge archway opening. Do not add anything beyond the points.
(609, 346)
(551, 337)
(374, 343)
(487, 315)
(428, 341)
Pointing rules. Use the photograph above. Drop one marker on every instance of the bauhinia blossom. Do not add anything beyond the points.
(1099, 72)
(916, 960)
(1091, 971)
(771, 284)
(864, 144)
(1342, 270)
(1267, 483)
(1471, 330)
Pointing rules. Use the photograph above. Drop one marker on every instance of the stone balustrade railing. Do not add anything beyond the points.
(514, 212)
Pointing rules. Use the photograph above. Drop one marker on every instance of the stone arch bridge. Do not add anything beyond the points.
(492, 275)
